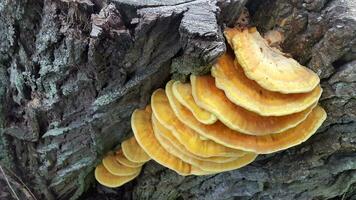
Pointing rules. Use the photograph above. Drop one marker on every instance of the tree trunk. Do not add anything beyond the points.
(72, 72)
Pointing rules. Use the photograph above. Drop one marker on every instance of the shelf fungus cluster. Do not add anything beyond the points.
(255, 101)
(121, 166)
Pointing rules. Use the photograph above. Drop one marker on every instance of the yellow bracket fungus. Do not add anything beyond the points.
(269, 67)
(118, 169)
(166, 133)
(170, 148)
(229, 76)
(259, 103)
(259, 144)
(133, 152)
(104, 177)
(183, 93)
(209, 97)
(185, 135)
(142, 128)
(120, 157)
(205, 165)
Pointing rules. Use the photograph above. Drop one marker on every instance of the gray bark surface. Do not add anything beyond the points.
(72, 72)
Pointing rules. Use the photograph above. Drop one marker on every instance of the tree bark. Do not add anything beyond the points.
(72, 72)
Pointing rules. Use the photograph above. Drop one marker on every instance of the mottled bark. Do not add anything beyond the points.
(72, 71)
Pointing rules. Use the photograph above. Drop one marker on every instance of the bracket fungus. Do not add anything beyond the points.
(268, 66)
(257, 103)
(265, 144)
(185, 135)
(120, 157)
(104, 177)
(208, 96)
(167, 135)
(205, 165)
(209, 167)
(118, 169)
(170, 148)
(133, 151)
(142, 128)
(183, 93)
(230, 77)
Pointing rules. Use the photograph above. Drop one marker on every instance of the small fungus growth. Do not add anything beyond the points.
(116, 169)
(257, 101)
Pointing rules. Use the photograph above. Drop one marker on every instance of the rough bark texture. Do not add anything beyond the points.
(72, 71)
